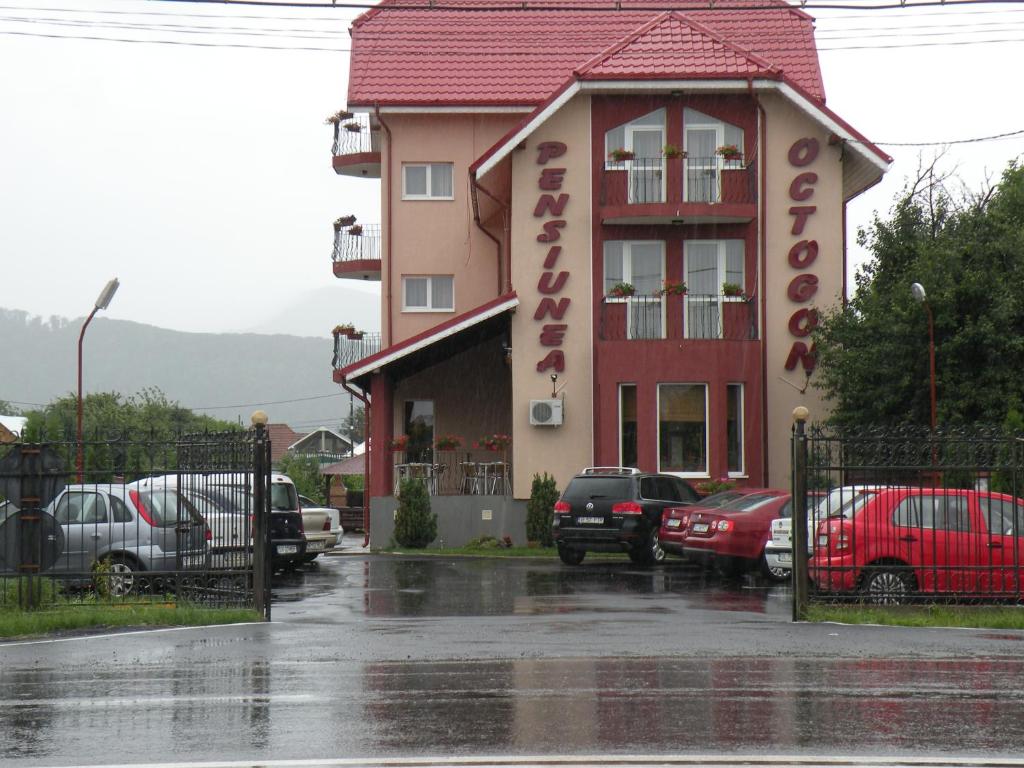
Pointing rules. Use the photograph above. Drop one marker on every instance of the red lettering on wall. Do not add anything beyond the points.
(544, 284)
(801, 188)
(548, 306)
(803, 322)
(553, 253)
(551, 232)
(547, 150)
(555, 359)
(803, 152)
(548, 203)
(803, 254)
(552, 335)
(802, 288)
(802, 213)
(799, 353)
(551, 178)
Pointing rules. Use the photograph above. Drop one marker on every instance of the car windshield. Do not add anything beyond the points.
(597, 487)
(283, 497)
(843, 502)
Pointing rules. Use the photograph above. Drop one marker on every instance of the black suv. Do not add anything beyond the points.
(616, 509)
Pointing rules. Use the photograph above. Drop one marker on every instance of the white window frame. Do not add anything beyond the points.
(741, 413)
(627, 277)
(430, 294)
(706, 474)
(718, 298)
(408, 196)
(629, 129)
(719, 163)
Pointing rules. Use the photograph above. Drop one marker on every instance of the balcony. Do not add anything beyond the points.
(356, 147)
(354, 346)
(679, 190)
(695, 317)
(356, 252)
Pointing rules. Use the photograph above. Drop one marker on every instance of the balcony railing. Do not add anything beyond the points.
(693, 316)
(356, 242)
(461, 472)
(354, 136)
(349, 349)
(708, 180)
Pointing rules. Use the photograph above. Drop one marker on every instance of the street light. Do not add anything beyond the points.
(102, 302)
(918, 292)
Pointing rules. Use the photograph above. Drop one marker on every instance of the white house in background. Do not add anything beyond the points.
(324, 443)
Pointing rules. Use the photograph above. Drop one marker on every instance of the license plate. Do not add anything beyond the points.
(785, 557)
(590, 520)
(287, 549)
(700, 527)
(673, 523)
(314, 546)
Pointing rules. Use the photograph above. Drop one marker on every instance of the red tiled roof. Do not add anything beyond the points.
(281, 436)
(445, 56)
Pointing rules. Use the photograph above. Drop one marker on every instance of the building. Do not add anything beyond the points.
(606, 233)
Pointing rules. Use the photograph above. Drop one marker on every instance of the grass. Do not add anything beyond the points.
(60, 613)
(980, 617)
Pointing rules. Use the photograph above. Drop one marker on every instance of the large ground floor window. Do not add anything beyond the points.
(683, 428)
(419, 426)
(627, 425)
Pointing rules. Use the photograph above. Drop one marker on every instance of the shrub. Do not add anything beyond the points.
(540, 509)
(304, 471)
(415, 524)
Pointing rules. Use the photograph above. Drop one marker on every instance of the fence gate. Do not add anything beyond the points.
(897, 515)
(148, 518)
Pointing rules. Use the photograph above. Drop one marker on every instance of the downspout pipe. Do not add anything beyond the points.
(763, 244)
(477, 186)
(366, 461)
(386, 181)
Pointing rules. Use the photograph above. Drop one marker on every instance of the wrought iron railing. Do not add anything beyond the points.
(356, 242)
(643, 180)
(458, 472)
(353, 347)
(690, 316)
(355, 136)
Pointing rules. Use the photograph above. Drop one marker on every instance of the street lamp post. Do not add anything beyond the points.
(918, 292)
(102, 302)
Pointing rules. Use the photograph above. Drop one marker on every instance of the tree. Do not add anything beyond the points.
(355, 425)
(415, 524)
(305, 473)
(6, 409)
(968, 252)
(540, 509)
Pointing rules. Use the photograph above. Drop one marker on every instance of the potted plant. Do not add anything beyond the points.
(356, 229)
(344, 221)
(495, 442)
(353, 127)
(672, 151)
(449, 443)
(729, 152)
(356, 335)
(732, 289)
(618, 155)
(338, 116)
(399, 443)
(672, 288)
(621, 290)
(344, 329)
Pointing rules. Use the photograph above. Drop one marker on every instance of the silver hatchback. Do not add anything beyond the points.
(135, 530)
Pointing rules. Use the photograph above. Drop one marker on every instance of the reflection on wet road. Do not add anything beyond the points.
(376, 657)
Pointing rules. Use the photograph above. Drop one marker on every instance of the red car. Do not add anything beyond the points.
(728, 529)
(909, 540)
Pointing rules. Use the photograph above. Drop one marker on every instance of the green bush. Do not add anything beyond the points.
(540, 509)
(305, 473)
(14, 592)
(415, 524)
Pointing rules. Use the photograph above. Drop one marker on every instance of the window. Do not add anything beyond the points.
(645, 138)
(428, 293)
(641, 263)
(709, 265)
(77, 507)
(944, 513)
(734, 429)
(627, 425)
(419, 426)
(119, 511)
(702, 136)
(683, 428)
(427, 181)
(1002, 516)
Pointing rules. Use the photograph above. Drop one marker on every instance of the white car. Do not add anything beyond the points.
(778, 551)
(322, 526)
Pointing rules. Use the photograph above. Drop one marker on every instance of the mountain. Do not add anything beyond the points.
(227, 375)
(315, 312)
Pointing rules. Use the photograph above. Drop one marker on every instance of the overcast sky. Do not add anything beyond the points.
(201, 177)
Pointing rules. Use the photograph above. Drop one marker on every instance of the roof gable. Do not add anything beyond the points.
(673, 46)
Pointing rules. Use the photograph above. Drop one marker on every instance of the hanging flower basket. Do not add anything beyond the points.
(344, 221)
(671, 288)
(621, 290)
(449, 443)
(399, 443)
(495, 442)
(356, 229)
(672, 151)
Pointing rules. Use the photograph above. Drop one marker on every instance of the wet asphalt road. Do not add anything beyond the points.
(374, 656)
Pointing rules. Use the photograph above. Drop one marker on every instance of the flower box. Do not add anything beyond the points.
(618, 155)
(449, 443)
(353, 127)
(734, 290)
(672, 151)
(621, 290)
(670, 288)
(399, 443)
(356, 229)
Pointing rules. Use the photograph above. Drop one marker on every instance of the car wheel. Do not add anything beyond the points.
(887, 586)
(122, 579)
(571, 556)
(774, 572)
(648, 553)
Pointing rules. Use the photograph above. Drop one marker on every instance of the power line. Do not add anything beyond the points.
(947, 143)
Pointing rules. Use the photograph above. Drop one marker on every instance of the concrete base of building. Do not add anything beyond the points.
(460, 519)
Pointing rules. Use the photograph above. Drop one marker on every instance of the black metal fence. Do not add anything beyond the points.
(910, 515)
(690, 316)
(147, 519)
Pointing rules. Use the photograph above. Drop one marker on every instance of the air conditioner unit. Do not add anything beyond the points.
(546, 413)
